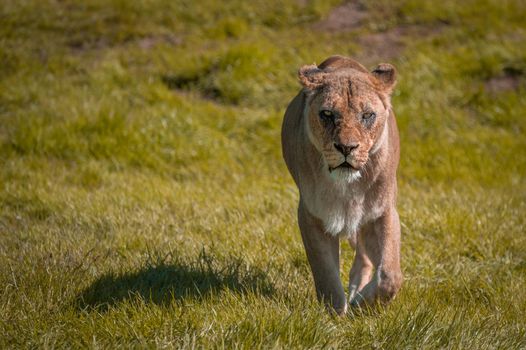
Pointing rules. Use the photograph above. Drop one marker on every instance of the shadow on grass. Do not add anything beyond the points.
(180, 279)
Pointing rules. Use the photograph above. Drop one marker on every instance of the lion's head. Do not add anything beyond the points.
(347, 109)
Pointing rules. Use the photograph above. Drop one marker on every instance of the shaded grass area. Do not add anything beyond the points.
(162, 283)
(144, 201)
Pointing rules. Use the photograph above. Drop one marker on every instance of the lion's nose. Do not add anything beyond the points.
(346, 149)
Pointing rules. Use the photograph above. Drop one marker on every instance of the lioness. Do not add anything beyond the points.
(340, 142)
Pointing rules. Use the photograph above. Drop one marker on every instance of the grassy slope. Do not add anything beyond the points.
(144, 200)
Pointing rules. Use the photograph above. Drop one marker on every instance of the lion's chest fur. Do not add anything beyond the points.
(341, 207)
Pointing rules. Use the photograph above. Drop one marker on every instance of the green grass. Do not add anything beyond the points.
(144, 201)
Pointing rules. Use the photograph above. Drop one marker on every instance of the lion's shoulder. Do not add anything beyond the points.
(291, 131)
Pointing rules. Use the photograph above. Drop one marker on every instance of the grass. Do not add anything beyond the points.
(144, 201)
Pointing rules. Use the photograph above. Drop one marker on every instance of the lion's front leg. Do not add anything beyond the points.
(382, 243)
(323, 254)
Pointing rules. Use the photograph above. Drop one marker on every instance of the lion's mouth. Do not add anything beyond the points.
(344, 165)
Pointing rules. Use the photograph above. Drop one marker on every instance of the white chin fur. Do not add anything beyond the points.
(345, 175)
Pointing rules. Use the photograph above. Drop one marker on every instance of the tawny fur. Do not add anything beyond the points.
(357, 202)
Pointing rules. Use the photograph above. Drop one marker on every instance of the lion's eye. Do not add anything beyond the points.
(368, 115)
(326, 114)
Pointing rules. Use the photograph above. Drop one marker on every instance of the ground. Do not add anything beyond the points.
(144, 201)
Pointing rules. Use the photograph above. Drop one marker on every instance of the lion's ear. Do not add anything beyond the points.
(386, 75)
(311, 77)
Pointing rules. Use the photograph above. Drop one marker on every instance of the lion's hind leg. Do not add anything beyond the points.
(362, 267)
